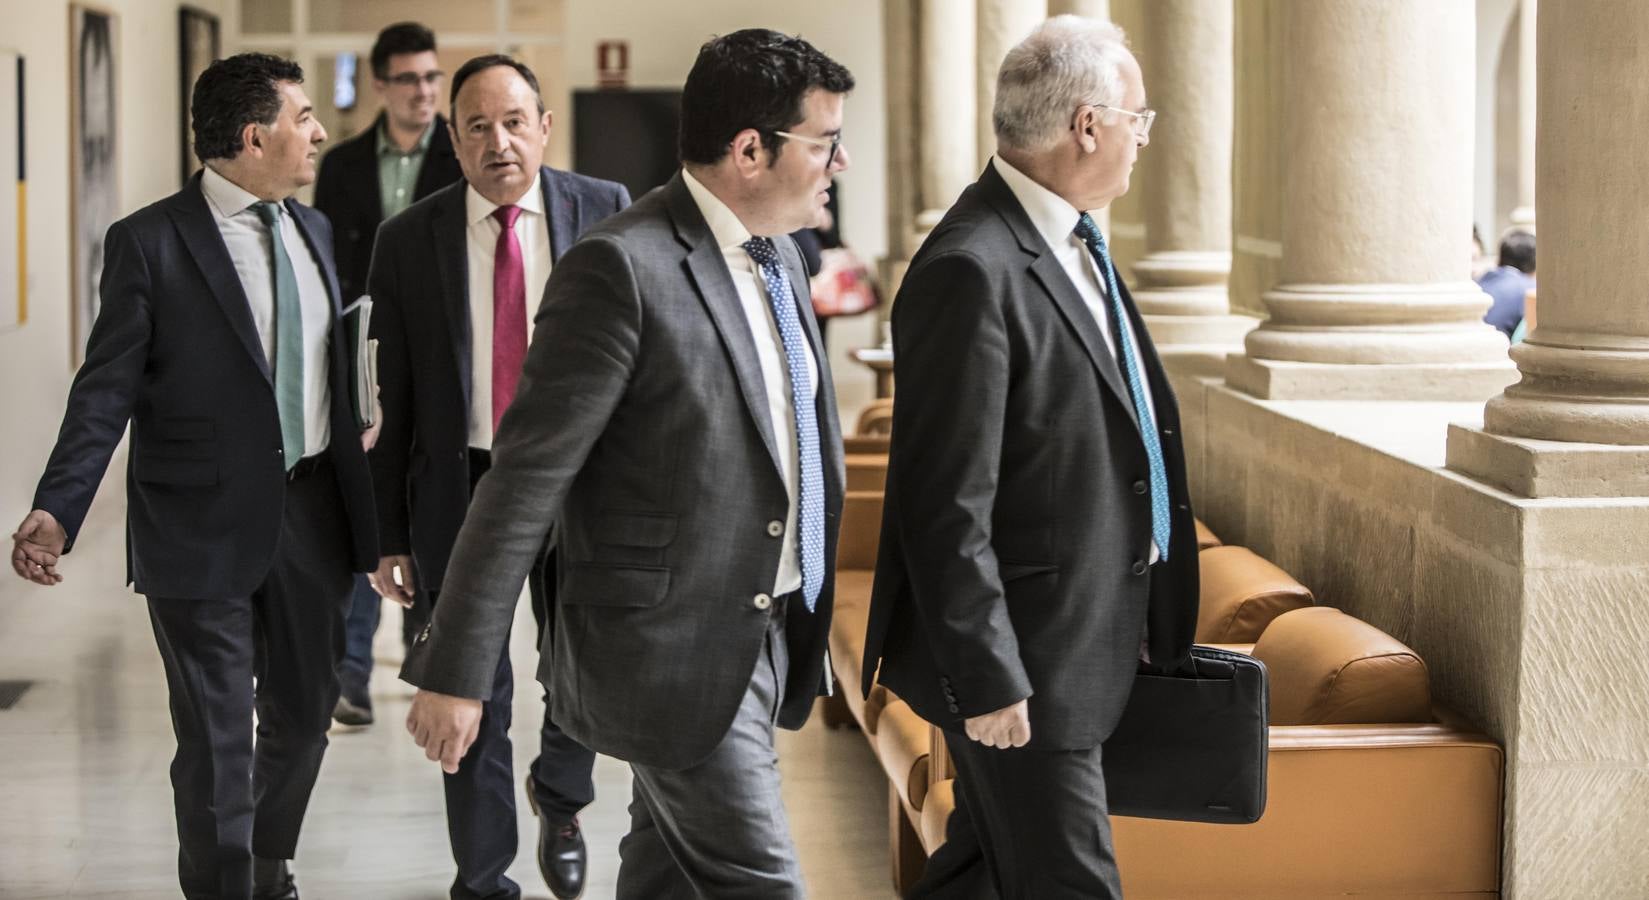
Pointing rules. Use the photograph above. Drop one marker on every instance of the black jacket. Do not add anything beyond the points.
(175, 352)
(420, 289)
(1017, 521)
(346, 190)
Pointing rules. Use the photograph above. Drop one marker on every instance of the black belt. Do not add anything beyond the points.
(305, 467)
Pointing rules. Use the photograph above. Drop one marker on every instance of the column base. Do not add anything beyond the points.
(1534, 468)
(1269, 379)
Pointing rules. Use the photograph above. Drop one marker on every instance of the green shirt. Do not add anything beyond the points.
(398, 171)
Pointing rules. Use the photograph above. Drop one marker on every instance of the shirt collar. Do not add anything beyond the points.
(387, 146)
(477, 207)
(227, 198)
(724, 224)
(1054, 217)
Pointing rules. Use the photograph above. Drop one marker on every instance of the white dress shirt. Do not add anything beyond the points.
(251, 251)
(1055, 219)
(730, 235)
(532, 232)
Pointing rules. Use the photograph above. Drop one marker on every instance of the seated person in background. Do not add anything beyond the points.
(1510, 282)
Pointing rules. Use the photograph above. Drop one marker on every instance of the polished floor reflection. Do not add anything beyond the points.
(85, 805)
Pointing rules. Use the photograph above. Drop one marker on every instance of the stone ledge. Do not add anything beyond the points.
(1535, 469)
(1269, 379)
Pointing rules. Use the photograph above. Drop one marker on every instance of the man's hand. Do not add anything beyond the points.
(388, 585)
(1009, 726)
(369, 437)
(36, 546)
(444, 726)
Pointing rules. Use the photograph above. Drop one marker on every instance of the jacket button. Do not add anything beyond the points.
(1139, 567)
(954, 708)
(762, 601)
(460, 454)
(1140, 487)
(775, 528)
(944, 679)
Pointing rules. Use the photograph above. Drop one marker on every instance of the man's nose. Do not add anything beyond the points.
(842, 161)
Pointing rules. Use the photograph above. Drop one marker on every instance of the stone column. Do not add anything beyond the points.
(1186, 51)
(1585, 367)
(1093, 9)
(1523, 214)
(947, 113)
(1002, 24)
(899, 60)
(1375, 299)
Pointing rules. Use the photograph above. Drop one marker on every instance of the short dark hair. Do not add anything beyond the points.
(402, 37)
(233, 93)
(1517, 251)
(753, 78)
(488, 61)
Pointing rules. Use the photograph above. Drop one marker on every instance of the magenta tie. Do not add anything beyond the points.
(509, 313)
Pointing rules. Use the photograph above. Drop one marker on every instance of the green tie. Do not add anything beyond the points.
(288, 340)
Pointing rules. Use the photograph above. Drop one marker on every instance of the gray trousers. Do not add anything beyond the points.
(718, 830)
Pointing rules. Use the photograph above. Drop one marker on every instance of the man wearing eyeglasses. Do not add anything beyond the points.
(403, 157)
(676, 423)
(1037, 541)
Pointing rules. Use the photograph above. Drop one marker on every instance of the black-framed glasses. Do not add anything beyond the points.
(834, 144)
(411, 79)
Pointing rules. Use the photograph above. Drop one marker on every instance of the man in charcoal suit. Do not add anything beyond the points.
(676, 421)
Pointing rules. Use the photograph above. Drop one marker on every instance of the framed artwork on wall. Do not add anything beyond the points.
(14, 234)
(198, 45)
(94, 155)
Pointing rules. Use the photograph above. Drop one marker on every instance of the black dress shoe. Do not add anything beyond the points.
(562, 858)
(272, 880)
(354, 706)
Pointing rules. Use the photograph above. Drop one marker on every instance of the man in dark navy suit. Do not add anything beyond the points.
(455, 280)
(249, 497)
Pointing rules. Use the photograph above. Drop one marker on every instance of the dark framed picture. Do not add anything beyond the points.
(94, 156)
(198, 45)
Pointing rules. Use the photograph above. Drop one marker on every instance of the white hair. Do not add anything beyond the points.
(1066, 62)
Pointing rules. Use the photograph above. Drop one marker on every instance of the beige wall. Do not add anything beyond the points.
(34, 358)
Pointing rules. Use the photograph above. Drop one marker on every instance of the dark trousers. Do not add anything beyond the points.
(365, 609)
(1028, 825)
(481, 795)
(273, 652)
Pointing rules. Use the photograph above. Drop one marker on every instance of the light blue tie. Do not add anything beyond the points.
(1161, 522)
(288, 340)
(810, 515)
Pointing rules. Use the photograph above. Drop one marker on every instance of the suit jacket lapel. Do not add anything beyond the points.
(561, 211)
(1051, 275)
(710, 278)
(321, 252)
(449, 239)
(200, 234)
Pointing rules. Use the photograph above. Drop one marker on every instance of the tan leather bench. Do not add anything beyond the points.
(1241, 592)
(1373, 791)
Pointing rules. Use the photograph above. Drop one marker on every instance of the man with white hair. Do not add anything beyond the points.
(1038, 545)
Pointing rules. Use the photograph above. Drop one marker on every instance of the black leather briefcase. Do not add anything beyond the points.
(1191, 746)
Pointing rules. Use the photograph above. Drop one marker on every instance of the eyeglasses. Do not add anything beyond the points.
(411, 79)
(834, 144)
(1142, 120)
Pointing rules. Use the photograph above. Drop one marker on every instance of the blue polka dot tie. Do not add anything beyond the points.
(810, 512)
(1161, 527)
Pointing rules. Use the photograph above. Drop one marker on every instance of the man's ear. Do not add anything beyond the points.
(749, 155)
(251, 139)
(1087, 123)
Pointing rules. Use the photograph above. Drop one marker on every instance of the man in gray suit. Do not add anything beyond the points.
(675, 418)
(1037, 539)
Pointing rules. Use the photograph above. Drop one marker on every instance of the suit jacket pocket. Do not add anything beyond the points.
(1013, 571)
(595, 584)
(187, 472)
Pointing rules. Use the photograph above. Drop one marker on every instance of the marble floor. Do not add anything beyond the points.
(85, 804)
